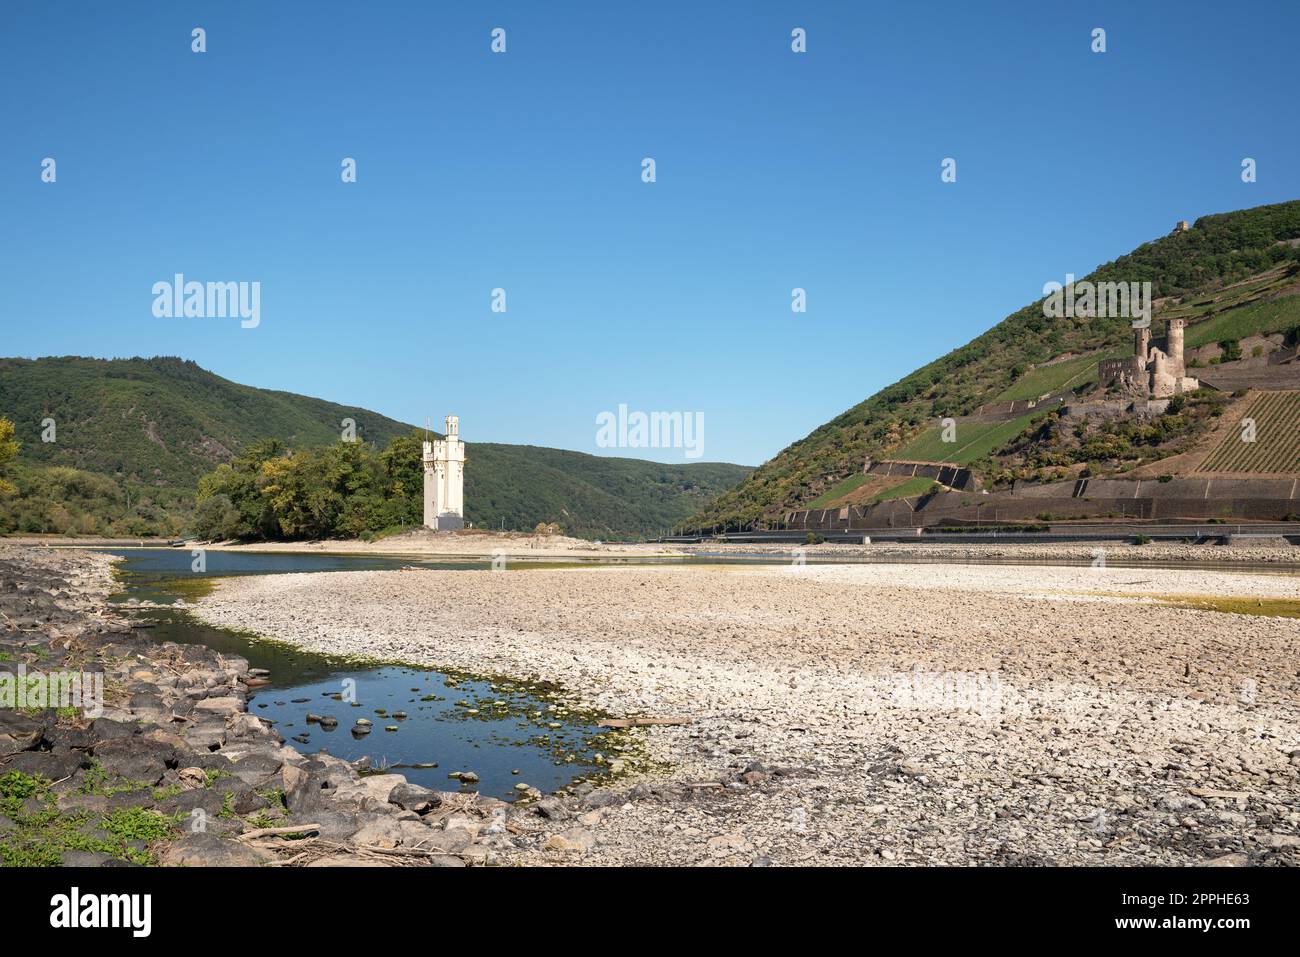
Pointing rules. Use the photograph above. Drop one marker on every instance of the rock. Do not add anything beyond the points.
(63, 736)
(206, 735)
(462, 822)
(418, 834)
(334, 825)
(192, 777)
(476, 854)
(107, 729)
(208, 850)
(550, 807)
(575, 839)
(724, 845)
(1280, 840)
(244, 725)
(379, 832)
(241, 797)
(259, 769)
(163, 736)
(371, 792)
(212, 802)
(88, 859)
(135, 759)
(18, 732)
(448, 842)
(75, 802)
(1228, 860)
(221, 706)
(412, 797)
(349, 860)
(52, 765)
(302, 789)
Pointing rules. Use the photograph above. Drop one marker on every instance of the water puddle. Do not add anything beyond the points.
(428, 724)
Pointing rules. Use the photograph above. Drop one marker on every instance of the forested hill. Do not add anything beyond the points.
(161, 421)
(1217, 251)
(133, 437)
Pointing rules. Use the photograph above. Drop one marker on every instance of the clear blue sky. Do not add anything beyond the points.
(522, 171)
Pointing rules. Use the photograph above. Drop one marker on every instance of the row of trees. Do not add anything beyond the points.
(344, 490)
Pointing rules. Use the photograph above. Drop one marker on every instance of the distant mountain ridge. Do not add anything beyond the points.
(152, 427)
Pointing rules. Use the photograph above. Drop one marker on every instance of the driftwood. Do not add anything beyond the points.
(641, 722)
(278, 831)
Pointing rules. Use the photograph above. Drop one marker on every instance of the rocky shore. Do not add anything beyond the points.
(871, 714)
(170, 768)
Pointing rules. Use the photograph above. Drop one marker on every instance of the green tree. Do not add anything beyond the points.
(8, 449)
(216, 518)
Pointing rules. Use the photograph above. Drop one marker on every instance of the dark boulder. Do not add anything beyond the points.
(412, 797)
(136, 759)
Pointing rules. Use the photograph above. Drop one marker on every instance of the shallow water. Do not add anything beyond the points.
(507, 733)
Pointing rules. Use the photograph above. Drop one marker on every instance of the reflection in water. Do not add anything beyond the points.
(426, 723)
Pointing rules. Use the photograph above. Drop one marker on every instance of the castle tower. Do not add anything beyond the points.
(1174, 345)
(1141, 345)
(444, 480)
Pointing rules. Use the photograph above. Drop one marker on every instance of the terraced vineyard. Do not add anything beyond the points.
(1277, 438)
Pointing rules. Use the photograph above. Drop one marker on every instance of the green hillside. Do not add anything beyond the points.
(972, 441)
(135, 436)
(162, 422)
(1197, 270)
(1047, 379)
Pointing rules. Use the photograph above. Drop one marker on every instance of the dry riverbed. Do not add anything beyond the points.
(886, 714)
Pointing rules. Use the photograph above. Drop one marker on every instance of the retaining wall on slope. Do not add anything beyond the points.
(1255, 499)
(953, 476)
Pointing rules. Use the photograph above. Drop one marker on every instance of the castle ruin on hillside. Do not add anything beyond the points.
(1156, 369)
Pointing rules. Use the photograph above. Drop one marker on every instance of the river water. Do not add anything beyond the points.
(424, 723)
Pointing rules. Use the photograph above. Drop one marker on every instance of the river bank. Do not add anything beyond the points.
(167, 766)
(468, 544)
(481, 545)
(874, 714)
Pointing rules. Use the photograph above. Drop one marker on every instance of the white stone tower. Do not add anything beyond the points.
(444, 480)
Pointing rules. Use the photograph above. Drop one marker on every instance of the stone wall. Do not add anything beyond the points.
(1191, 498)
(953, 476)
